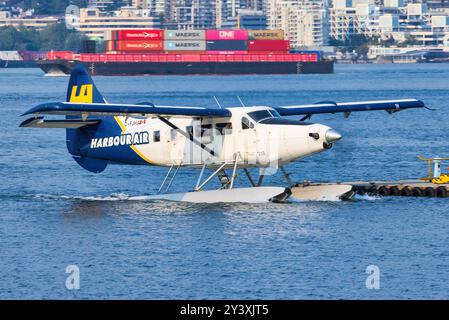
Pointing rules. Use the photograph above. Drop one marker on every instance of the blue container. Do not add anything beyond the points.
(225, 45)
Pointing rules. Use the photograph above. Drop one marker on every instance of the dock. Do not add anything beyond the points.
(399, 188)
(435, 184)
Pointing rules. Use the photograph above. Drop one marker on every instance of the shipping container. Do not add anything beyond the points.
(184, 35)
(110, 46)
(185, 45)
(138, 45)
(65, 55)
(226, 35)
(267, 45)
(265, 34)
(223, 45)
(138, 34)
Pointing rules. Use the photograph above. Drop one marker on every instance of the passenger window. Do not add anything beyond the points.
(173, 134)
(224, 128)
(203, 130)
(246, 124)
(156, 136)
(206, 130)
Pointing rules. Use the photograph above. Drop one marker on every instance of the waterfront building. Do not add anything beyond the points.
(193, 14)
(36, 22)
(303, 21)
(155, 7)
(246, 19)
(96, 24)
(107, 5)
(347, 18)
(411, 22)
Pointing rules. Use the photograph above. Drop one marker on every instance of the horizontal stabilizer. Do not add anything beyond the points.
(40, 122)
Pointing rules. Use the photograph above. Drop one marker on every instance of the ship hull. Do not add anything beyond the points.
(187, 68)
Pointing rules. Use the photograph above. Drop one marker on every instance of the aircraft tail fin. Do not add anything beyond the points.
(82, 88)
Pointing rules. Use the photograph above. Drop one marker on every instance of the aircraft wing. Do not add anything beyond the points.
(390, 106)
(103, 109)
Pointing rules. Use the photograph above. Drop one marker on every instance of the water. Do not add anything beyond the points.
(55, 214)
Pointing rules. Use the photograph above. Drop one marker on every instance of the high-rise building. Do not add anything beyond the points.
(348, 18)
(438, 3)
(192, 14)
(107, 5)
(95, 24)
(303, 21)
(226, 10)
(156, 7)
(246, 19)
(257, 5)
(204, 14)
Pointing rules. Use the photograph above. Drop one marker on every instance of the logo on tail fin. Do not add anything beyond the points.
(84, 94)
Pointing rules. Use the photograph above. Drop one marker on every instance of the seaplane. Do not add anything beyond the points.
(222, 143)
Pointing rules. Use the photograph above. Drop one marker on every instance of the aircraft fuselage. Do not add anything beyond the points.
(257, 136)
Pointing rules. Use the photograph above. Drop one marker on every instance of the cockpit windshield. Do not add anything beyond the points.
(263, 114)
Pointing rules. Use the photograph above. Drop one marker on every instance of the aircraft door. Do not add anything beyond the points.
(175, 146)
(246, 140)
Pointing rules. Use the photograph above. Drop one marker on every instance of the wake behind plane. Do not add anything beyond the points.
(224, 141)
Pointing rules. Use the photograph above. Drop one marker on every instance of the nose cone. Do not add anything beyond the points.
(332, 136)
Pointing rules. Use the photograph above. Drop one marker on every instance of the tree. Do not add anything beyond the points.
(388, 42)
(8, 38)
(54, 37)
(58, 37)
(409, 41)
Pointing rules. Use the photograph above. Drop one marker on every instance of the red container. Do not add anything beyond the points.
(65, 55)
(226, 35)
(269, 45)
(139, 46)
(110, 45)
(139, 34)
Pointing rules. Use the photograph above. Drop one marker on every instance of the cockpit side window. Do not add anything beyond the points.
(247, 124)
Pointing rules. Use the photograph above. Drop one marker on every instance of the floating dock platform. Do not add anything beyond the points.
(399, 188)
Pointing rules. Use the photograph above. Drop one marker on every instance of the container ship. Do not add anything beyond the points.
(185, 52)
(20, 59)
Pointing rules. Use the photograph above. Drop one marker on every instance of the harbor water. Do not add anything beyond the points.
(54, 214)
